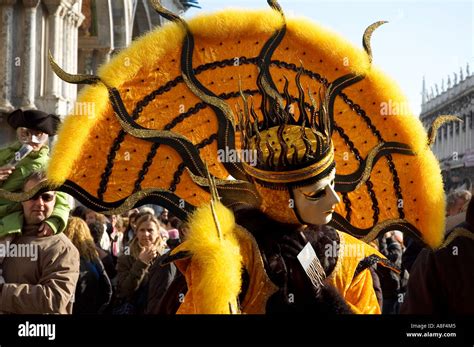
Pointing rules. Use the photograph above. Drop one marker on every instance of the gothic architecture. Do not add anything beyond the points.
(454, 146)
(80, 34)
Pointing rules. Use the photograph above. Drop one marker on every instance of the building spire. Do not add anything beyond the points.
(423, 92)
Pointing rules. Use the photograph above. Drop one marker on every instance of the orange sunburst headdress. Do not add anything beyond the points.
(300, 96)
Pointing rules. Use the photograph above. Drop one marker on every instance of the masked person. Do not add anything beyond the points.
(282, 172)
(18, 161)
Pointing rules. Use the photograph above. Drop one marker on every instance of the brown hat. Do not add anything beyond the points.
(33, 119)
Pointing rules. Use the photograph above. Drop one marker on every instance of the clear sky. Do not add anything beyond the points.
(423, 38)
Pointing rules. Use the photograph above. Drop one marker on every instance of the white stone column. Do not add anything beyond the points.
(439, 137)
(6, 12)
(55, 36)
(468, 133)
(66, 29)
(441, 141)
(455, 138)
(29, 55)
(446, 146)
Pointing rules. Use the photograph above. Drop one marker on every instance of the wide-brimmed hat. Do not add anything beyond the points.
(34, 119)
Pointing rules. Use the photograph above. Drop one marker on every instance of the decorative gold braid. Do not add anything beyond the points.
(368, 165)
(234, 185)
(367, 35)
(293, 175)
(70, 78)
(134, 198)
(457, 232)
(276, 6)
(368, 168)
(313, 125)
(217, 102)
(272, 92)
(150, 133)
(23, 196)
(214, 200)
(244, 191)
(376, 229)
(158, 7)
(204, 182)
(211, 100)
(437, 123)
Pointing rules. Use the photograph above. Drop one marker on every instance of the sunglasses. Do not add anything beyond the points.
(46, 197)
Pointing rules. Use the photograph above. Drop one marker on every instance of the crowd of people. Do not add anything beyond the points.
(58, 259)
(98, 265)
(113, 264)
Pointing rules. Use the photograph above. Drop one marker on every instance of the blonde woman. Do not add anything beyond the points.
(132, 269)
(93, 290)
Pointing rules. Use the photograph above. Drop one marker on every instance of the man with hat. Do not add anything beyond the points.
(18, 161)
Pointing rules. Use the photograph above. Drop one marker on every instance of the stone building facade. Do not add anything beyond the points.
(80, 34)
(454, 146)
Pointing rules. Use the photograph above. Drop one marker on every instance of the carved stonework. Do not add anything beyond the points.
(84, 29)
(6, 13)
(26, 79)
(31, 3)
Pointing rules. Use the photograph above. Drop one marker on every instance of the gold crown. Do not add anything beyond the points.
(286, 149)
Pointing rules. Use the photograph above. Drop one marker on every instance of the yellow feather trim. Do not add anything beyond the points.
(145, 51)
(214, 275)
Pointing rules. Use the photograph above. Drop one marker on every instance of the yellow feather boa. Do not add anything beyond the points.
(214, 273)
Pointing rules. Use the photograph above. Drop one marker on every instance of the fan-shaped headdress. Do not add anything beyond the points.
(265, 104)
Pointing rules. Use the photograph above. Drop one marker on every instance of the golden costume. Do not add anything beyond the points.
(170, 110)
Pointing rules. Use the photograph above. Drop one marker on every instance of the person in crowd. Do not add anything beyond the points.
(164, 216)
(94, 289)
(96, 230)
(146, 209)
(105, 242)
(456, 205)
(116, 235)
(163, 275)
(391, 246)
(43, 281)
(80, 212)
(129, 233)
(19, 160)
(132, 269)
(442, 281)
(457, 202)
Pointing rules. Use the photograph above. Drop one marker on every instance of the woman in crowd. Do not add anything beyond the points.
(94, 290)
(133, 268)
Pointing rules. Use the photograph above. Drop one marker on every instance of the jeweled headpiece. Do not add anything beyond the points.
(287, 149)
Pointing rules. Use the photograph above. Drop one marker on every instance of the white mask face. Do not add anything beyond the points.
(34, 138)
(315, 202)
